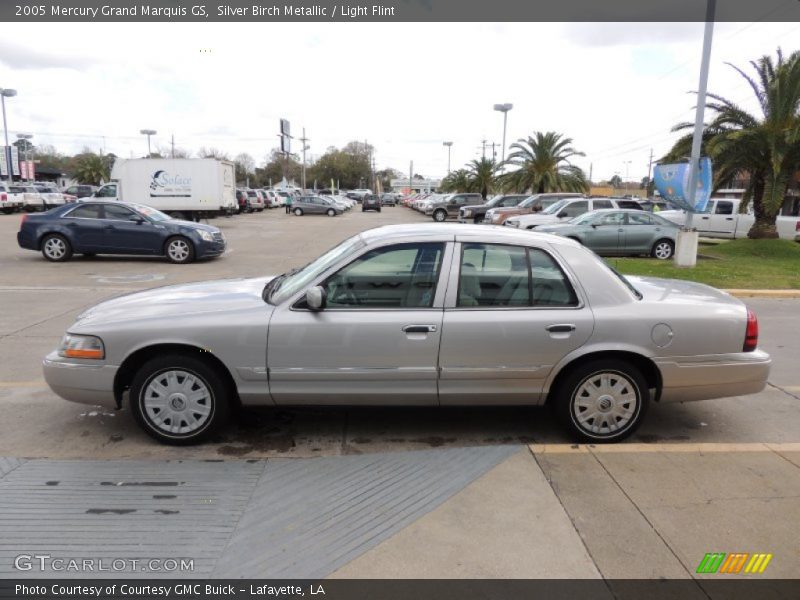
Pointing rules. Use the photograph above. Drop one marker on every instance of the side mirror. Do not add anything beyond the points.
(562, 214)
(138, 220)
(316, 298)
(594, 225)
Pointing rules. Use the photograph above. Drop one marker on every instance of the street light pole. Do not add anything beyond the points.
(27, 137)
(504, 108)
(627, 173)
(304, 139)
(449, 145)
(7, 93)
(148, 133)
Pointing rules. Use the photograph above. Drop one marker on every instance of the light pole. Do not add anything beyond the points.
(27, 137)
(627, 175)
(148, 133)
(449, 145)
(504, 108)
(7, 93)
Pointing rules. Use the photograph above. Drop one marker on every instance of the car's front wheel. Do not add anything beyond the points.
(298, 212)
(663, 249)
(178, 399)
(331, 212)
(56, 248)
(179, 250)
(602, 401)
(439, 216)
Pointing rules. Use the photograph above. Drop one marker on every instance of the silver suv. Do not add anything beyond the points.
(448, 207)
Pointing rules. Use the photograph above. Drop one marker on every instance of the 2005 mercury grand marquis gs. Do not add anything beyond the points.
(416, 315)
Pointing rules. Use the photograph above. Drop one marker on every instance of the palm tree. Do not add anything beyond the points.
(456, 181)
(91, 169)
(482, 176)
(764, 146)
(543, 165)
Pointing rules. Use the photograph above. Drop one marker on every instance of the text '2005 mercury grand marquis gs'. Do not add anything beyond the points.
(416, 315)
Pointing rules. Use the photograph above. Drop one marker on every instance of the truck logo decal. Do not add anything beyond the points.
(164, 185)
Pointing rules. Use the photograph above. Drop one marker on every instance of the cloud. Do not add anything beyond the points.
(20, 57)
(632, 34)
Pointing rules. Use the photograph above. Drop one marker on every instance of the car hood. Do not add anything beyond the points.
(539, 219)
(190, 225)
(225, 295)
(656, 289)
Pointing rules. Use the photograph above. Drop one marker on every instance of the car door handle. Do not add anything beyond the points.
(729, 218)
(419, 328)
(705, 218)
(560, 328)
(109, 227)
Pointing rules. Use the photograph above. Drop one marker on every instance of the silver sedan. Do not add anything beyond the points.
(416, 315)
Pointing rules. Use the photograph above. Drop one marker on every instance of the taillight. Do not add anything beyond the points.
(3, 197)
(22, 222)
(797, 226)
(751, 333)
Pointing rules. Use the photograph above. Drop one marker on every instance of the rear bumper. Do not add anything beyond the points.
(713, 376)
(80, 382)
(26, 241)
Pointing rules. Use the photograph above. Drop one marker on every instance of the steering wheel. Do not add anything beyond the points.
(342, 294)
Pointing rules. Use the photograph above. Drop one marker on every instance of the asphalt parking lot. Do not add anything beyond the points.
(712, 476)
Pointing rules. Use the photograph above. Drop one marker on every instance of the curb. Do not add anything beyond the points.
(764, 293)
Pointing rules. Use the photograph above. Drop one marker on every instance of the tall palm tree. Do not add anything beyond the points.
(764, 146)
(543, 165)
(91, 169)
(482, 175)
(456, 181)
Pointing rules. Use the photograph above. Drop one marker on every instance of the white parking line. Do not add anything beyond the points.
(695, 447)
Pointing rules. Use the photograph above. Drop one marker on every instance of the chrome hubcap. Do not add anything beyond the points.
(177, 402)
(663, 250)
(605, 403)
(179, 250)
(55, 248)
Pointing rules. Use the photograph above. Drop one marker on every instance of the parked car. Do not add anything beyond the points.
(241, 200)
(255, 201)
(476, 213)
(388, 199)
(564, 210)
(370, 202)
(10, 201)
(723, 220)
(315, 205)
(416, 315)
(80, 191)
(94, 227)
(50, 195)
(620, 233)
(533, 204)
(272, 199)
(448, 206)
(31, 198)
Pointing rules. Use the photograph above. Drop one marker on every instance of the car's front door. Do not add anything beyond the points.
(606, 234)
(511, 314)
(126, 231)
(377, 339)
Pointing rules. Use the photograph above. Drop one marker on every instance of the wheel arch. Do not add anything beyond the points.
(646, 366)
(134, 361)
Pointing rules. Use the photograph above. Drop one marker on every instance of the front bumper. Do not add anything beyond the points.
(208, 249)
(80, 381)
(713, 376)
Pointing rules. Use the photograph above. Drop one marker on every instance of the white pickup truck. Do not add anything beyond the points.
(10, 201)
(722, 220)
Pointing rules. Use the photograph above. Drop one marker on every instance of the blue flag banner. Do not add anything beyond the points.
(672, 182)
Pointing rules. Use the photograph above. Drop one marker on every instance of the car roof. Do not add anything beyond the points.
(488, 233)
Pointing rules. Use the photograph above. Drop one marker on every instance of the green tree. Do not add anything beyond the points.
(615, 182)
(456, 181)
(482, 176)
(543, 164)
(91, 168)
(765, 145)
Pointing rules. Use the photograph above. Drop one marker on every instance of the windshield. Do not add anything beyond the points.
(290, 283)
(583, 219)
(151, 213)
(554, 208)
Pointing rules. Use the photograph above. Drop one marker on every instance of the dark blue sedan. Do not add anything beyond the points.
(91, 228)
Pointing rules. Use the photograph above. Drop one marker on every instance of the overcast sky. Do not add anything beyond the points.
(616, 89)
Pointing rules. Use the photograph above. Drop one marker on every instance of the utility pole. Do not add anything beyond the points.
(410, 177)
(483, 145)
(591, 166)
(173, 145)
(649, 171)
(304, 139)
(494, 152)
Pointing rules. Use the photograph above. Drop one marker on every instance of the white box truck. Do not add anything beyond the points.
(185, 188)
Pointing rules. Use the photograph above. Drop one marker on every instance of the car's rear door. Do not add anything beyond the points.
(511, 313)
(640, 232)
(376, 341)
(720, 221)
(84, 225)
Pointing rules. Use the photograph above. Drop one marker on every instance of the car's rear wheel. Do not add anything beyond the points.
(663, 249)
(331, 212)
(56, 248)
(8, 211)
(298, 212)
(439, 216)
(178, 399)
(602, 401)
(179, 250)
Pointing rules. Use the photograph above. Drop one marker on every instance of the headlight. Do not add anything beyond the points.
(206, 235)
(512, 222)
(82, 346)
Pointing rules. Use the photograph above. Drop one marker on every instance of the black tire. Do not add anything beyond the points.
(176, 214)
(179, 368)
(89, 254)
(179, 250)
(56, 248)
(477, 220)
(8, 211)
(440, 216)
(363, 209)
(663, 249)
(298, 212)
(331, 212)
(626, 411)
